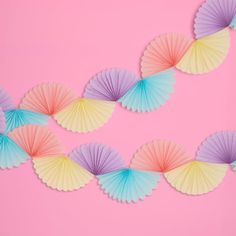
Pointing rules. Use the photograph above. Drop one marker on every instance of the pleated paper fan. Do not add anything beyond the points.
(6, 102)
(160, 156)
(206, 53)
(97, 158)
(218, 148)
(110, 84)
(85, 114)
(11, 155)
(149, 93)
(164, 52)
(214, 16)
(19, 117)
(48, 98)
(129, 185)
(61, 173)
(2, 121)
(37, 141)
(233, 23)
(196, 177)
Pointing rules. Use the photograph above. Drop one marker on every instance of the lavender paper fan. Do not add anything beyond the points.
(218, 148)
(213, 16)
(110, 84)
(97, 158)
(6, 102)
(2, 121)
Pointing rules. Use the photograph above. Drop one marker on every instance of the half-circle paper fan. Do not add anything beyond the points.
(85, 114)
(213, 16)
(129, 185)
(206, 53)
(149, 93)
(19, 117)
(164, 52)
(218, 148)
(97, 158)
(6, 102)
(110, 84)
(160, 156)
(196, 177)
(37, 141)
(2, 121)
(11, 155)
(61, 173)
(48, 98)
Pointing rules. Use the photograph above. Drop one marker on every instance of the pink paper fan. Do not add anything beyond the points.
(2, 121)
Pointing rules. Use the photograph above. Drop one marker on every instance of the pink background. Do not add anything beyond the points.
(68, 41)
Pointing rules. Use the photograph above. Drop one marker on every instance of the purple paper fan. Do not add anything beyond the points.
(110, 84)
(97, 158)
(213, 16)
(6, 102)
(2, 121)
(218, 148)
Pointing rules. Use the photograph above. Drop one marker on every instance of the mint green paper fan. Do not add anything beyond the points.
(149, 93)
(19, 117)
(11, 155)
(128, 185)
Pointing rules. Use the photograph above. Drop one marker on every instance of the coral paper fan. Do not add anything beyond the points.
(164, 52)
(6, 102)
(61, 173)
(84, 115)
(37, 141)
(2, 121)
(47, 98)
(110, 84)
(206, 53)
(160, 156)
(129, 185)
(196, 177)
(97, 158)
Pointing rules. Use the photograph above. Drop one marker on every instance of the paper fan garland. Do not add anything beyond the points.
(214, 16)
(97, 158)
(6, 102)
(129, 185)
(161, 156)
(149, 93)
(110, 84)
(61, 173)
(164, 52)
(2, 121)
(196, 177)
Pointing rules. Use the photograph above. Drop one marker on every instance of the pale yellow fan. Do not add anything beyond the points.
(84, 114)
(61, 173)
(206, 53)
(196, 177)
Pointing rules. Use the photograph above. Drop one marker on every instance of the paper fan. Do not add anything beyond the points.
(19, 117)
(110, 84)
(213, 16)
(164, 52)
(48, 98)
(149, 93)
(85, 114)
(97, 158)
(206, 53)
(2, 121)
(233, 23)
(160, 156)
(6, 102)
(11, 155)
(61, 173)
(196, 177)
(218, 148)
(233, 165)
(129, 185)
(37, 141)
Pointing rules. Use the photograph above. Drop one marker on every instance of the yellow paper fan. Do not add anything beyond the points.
(61, 173)
(196, 177)
(206, 53)
(84, 115)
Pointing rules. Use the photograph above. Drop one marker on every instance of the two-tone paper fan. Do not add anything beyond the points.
(97, 158)
(6, 102)
(129, 185)
(149, 93)
(110, 84)
(164, 52)
(2, 121)
(196, 177)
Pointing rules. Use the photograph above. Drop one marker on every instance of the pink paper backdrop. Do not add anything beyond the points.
(68, 41)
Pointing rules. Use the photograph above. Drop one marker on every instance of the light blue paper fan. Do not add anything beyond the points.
(149, 93)
(233, 23)
(129, 185)
(11, 155)
(233, 165)
(19, 117)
